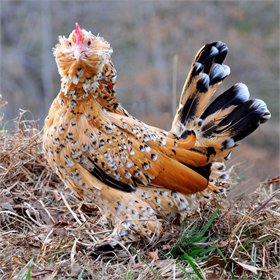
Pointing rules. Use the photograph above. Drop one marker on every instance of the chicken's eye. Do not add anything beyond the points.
(69, 43)
(89, 43)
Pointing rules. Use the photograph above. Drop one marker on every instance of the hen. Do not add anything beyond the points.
(135, 173)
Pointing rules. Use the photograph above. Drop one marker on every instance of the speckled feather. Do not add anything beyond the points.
(134, 172)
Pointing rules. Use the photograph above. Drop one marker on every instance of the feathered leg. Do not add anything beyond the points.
(131, 215)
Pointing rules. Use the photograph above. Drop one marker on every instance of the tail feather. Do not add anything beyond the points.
(235, 120)
(218, 73)
(216, 50)
(236, 95)
(218, 122)
(244, 119)
(206, 74)
(221, 107)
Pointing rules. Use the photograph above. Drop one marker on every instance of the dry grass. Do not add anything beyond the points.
(47, 233)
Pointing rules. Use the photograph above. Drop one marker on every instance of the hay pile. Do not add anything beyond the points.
(47, 233)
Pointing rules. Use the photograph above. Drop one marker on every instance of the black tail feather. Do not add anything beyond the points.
(235, 95)
(209, 70)
(244, 119)
(217, 121)
(216, 51)
(218, 73)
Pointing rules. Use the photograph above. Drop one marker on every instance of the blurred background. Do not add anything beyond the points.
(152, 41)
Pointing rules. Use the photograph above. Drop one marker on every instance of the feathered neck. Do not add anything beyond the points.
(80, 85)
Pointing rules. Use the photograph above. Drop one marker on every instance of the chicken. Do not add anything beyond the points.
(135, 173)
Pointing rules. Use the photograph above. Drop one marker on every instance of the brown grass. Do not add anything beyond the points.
(48, 233)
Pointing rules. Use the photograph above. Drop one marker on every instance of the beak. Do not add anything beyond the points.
(77, 53)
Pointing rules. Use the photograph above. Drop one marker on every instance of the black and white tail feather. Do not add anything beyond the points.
(218, 121)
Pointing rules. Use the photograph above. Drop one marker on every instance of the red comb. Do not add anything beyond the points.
(78, 33)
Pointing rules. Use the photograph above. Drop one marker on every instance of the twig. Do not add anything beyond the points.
(70, 209)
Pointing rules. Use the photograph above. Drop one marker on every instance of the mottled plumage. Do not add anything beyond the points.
(136, 173)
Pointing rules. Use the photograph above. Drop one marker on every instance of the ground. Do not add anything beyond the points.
(48, 233)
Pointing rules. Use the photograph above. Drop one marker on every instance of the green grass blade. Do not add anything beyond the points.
(28, 275)
(193, 266)
(186, 273)
(80, 276)
(209, 223)
(220, 252)
(128, 276)
(195, 252)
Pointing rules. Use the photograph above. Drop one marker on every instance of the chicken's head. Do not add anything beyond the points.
(81, 50)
